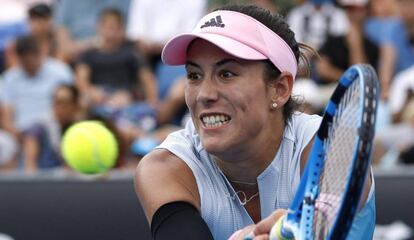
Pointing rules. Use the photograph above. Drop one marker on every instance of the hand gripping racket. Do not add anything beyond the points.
(329, 193)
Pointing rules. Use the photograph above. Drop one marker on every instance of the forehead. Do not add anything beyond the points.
(63, 93)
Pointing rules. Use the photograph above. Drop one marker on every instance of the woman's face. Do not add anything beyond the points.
(229, 100)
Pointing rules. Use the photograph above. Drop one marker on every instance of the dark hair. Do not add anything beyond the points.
(112, 12)
(277, 24)
(26, 45)
(40, 10)
(73, 91)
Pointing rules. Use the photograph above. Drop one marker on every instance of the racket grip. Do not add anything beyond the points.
(279, 233)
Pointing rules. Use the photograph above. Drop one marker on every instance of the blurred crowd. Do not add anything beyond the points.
(64, 61)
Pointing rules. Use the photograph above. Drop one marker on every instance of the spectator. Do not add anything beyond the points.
(28, 87)
(340, 52)
(76, 22)
(401, 93)
(386, 28)
(406, 11)
(315, 20)
(12, 25)
(40, 27)
(152, 22)
(112, 77)
(41, 142)
(398, 137)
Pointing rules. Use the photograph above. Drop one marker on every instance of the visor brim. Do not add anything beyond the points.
(175, 51)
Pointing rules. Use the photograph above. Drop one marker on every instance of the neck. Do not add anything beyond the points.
(109, 46)
(247, 162)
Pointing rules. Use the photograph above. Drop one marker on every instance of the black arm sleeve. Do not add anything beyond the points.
(179, 220)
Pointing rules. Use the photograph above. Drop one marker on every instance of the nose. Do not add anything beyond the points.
(208, 92)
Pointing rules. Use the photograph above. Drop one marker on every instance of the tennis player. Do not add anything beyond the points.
(240, 157)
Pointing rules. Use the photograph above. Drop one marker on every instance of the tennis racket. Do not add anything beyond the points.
(329, 193)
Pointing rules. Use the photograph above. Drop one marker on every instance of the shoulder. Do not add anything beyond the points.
(12, 74)
(302, 121)
(303, 128)
(57, 65)
(162, 177)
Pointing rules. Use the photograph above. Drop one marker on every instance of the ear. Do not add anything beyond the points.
(281, 88)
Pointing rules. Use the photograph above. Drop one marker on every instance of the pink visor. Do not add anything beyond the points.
(237, 34)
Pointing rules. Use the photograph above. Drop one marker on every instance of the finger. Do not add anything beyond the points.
(262, 237)
(264, 226)
(242, 233)
(235, 235)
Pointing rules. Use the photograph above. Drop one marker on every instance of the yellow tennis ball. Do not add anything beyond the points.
(89, 147)
(276, 231)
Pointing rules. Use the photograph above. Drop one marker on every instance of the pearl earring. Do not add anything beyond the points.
(274, 105)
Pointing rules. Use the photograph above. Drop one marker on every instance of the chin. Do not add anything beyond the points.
(213, 146)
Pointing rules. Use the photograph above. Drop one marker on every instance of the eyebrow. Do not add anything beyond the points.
(217, 64)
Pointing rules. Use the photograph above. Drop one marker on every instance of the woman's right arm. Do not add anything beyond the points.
(168, 192)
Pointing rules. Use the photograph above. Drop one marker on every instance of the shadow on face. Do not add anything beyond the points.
(65, 104)
(30, 62)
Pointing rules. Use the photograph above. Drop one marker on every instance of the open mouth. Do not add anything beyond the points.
(215, 120)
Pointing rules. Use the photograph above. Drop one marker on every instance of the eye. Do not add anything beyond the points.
(226, 74)
(193, 76)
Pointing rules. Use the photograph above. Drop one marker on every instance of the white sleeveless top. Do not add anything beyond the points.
(223, 213)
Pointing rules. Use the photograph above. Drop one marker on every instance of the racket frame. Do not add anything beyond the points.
(299, 218)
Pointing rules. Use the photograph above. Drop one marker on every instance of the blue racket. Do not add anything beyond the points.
(329, 193)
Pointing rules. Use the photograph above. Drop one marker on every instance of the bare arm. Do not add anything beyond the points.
(172, 104)
(150, 87)
(68, 48)
(7, 120)
(161, 178)
(83, 73)
(328, 71)
(90, 94)
(386, 68)
(31, 153)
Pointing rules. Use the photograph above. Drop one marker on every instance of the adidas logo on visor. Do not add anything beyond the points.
(214, 22)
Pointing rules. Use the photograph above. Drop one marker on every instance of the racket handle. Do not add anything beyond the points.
(279, 233)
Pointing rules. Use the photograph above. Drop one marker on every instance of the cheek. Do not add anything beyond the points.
(254, 99)
(190, 97)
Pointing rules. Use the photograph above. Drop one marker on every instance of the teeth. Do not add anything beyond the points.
(215, 121)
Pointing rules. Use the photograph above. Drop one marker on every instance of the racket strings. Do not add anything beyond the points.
(339, 148)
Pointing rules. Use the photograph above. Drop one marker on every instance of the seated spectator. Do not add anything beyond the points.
(386, 28)
(114, 80)
(28, 88)
(399, 136)
(41, 142)
(76, 21)
(41, 28)
(315, 20)
(151, 23)
(12, 25)
(401, 94)
(340, 52)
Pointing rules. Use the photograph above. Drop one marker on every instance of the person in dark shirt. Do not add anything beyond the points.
(114, 67)
(340, 52)
(114, 80)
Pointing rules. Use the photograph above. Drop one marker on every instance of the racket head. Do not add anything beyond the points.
(328, 195)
